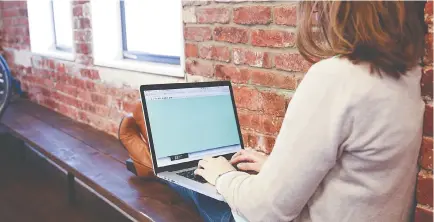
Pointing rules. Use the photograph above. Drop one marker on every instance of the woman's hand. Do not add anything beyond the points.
(249, 160)
(211, 168)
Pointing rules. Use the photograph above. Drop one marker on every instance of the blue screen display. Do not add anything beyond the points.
(191, 121)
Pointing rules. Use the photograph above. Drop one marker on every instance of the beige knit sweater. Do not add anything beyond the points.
(347, 151)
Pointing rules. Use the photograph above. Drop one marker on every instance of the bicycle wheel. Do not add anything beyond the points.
(5, 86)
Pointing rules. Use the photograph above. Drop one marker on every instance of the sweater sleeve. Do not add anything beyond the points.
(306, 148)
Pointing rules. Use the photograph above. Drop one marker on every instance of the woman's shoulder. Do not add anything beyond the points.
(340, 67)
(339, 72)
(357, 80)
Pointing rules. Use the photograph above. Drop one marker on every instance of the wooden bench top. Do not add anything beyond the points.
(96, 159)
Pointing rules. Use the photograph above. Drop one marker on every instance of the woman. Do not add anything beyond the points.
(348, 146)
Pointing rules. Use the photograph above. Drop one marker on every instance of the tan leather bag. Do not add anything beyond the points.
(133, 136)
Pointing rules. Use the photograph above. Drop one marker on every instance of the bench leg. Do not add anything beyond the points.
(71, 188)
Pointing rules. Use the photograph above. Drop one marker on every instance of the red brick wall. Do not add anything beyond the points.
(249, 43)
(71, 88)
(424, 190)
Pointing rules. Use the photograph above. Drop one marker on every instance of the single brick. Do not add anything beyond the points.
(291, 62)
(213, 15)
(102, 111)
(67, 89)
(250, 15)
(50, 64)
(22, 21)
(427, 82)
(247, 98)
(45, 92)
(10, 4)
(86, 10)
(428, 58)
(82, 35)
(190, 50)
(232, 73)
(82, 23)
(424, 189)
(242, 56)
(66, 99)
(77, 10)
(50, 103)
(265, 143)
(245, 136)
(84, 95)
(219, 53)
(273, 79)
(201, 68)
(273, 104)
(429, 12)
(189, 15)
(231, 34)
(60, 68)
(85, 59)
(83, 116)
(285, 15)
(66, 110)
(11, 13)
(99, 99)
(428, 120)
(197, 34)
(252, 140)
(244, 118)
(273, 38)
(423, 214)
(426, 153)
(83, 48)
(90, 74)
(261, 123)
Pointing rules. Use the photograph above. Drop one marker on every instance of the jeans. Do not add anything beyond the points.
(210, 210)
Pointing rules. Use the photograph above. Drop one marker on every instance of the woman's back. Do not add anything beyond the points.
(347, 150)
(348, 146)
(375, 173)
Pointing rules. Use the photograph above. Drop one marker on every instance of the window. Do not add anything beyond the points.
(144, 38)
(50, 24)
(139, 35)
(62, 24)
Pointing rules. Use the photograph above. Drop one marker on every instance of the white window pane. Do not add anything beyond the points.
(154, 26)
(62, 14)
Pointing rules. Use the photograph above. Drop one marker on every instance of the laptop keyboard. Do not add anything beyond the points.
(190, 175)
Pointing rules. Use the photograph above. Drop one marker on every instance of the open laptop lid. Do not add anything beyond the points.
(187, 121)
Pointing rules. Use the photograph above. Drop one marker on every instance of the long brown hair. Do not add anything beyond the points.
(388, 35)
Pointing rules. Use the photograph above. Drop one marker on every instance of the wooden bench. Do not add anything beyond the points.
(97, 160)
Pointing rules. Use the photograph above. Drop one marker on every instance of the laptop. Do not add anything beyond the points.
(187, 122)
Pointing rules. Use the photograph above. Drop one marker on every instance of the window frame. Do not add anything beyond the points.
(60, 48)
(141, 56)
(41, 22)
(110, 12)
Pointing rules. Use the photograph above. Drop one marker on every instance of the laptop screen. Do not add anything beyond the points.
(191, 123)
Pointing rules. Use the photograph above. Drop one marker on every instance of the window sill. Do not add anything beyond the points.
(145, 67)
(67, 56)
